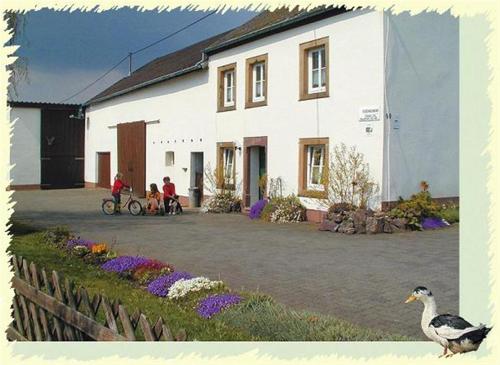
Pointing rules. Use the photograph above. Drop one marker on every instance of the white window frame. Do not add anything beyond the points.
(310, 154)
(262, 81)
(228, 165)
(321, 70)
(228, 88)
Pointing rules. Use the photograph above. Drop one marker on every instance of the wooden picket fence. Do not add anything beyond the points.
(45, 309)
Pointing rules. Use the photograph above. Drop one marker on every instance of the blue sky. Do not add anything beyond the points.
(65, 51)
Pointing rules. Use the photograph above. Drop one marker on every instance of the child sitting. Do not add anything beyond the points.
(153, 197)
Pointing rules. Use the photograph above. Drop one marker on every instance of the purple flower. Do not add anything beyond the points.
(124, 263)
(256, 209)
(79, 242)
(161, 285)
(215, 303)
(433, 223)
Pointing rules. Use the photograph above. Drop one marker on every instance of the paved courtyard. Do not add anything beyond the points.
(363, 279)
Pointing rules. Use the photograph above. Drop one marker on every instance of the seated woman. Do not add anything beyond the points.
(153, 200)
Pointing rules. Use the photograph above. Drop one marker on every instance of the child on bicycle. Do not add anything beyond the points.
(118, 185)
(153, 200)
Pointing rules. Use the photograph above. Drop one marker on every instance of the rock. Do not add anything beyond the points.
(328, 225)
(347, 226)
(387, 226)
(370, 212)
(338, 218)
(399, 224)
(359, 220)
(374, 225)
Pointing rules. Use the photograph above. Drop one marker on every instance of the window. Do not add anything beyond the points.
(314, 67)
(256, 81)
(316, 70)
(313, 163)
(229, 88)
(226, 168)
(226, 94)
(169, 158)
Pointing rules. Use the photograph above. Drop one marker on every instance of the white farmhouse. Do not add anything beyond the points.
(275, 95)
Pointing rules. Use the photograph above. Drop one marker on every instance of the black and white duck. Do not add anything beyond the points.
(452, 332)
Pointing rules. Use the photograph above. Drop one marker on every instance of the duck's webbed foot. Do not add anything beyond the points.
(450, 355)
(445, 349)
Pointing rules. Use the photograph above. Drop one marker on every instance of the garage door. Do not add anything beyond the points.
(132, 155)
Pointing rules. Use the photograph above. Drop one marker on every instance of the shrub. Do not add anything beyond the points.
(215, 303)
(184, 286)
(222, 202)
(450, 214)
(161, 285)
(284, 210)
(56, 236)
(337, 208)
(415, 209)
(349, 179)
(150, 270)
(261, 316)
(257, 208)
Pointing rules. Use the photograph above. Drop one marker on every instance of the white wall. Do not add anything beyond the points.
(423, 91)
(182, 107)
(25, 146)
(186, 106)
(356, 81)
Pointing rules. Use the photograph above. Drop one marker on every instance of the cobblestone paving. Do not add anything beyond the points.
(363, 279)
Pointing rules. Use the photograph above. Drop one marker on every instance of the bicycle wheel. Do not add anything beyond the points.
(135, 207)
(108, 207)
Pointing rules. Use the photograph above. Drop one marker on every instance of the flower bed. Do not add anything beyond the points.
(157, 277)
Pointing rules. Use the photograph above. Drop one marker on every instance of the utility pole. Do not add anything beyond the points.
(129, 63)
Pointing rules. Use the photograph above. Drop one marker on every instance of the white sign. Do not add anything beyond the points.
(369, 114)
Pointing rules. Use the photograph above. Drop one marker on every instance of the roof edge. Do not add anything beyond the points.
(199, 65)
(42, 104)
(300, 19)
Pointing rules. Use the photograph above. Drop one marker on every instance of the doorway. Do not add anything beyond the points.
(196, 177)
(132, 155)
(254, 169)
(103, 169)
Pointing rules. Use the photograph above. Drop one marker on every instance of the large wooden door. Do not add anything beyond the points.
(104, 169)
(62, 149)
(132, 155)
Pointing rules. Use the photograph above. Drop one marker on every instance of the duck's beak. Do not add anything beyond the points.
(411, 298)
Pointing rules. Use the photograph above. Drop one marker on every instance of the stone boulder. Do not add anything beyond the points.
(359, 219)
(399, 224)
(328, 225)
(374, 225)
(347, 227)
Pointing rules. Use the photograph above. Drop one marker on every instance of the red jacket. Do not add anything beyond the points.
(168, 190)
(118, 186)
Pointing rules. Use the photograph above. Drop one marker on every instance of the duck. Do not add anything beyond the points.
(452, 332)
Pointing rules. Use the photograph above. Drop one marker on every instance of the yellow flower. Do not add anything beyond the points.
(99, 248)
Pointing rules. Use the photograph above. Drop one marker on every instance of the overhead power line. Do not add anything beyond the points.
(129, 55)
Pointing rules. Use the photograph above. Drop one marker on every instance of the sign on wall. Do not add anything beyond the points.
(369, 114)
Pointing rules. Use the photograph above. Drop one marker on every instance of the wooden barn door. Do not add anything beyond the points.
(62, 149)
(104, 170)
(132, 155)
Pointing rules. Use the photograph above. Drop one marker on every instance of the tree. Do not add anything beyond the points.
(18, 69)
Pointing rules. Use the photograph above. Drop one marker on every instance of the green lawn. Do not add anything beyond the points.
(257, 318)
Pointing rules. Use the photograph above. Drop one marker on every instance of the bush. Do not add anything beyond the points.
(262, 317)
(415, 209)
(224, 202)
(450, 214)
(57, 236)
(338, 208)
(284, 210)
(257, 208)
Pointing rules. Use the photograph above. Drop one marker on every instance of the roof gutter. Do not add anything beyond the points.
(287, 23)
(198, 66)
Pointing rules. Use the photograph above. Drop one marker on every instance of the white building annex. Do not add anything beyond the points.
(275, 95)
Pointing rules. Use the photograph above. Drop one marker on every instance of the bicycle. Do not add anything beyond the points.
(134, 206)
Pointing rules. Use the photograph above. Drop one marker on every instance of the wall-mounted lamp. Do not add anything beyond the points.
(237, 148)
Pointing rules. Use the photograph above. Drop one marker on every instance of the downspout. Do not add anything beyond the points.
(388, 115)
